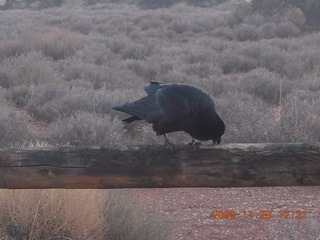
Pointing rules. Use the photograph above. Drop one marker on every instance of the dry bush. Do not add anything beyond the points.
(19, 95)
(56, 43)
(50, 214)
(301, 62)
(50, 103)
(98, 54)
(12, 48)
(83, 129)
(5, 82)
(28, 69)
(271, 30)
(267, 85)
(142, 70)
(310, 82)
(300, 117)
(137, 51)
(127, 221)
(306, 229)
(246, 32)
(235, 63)
(41, 105)
(76, 214)
(274, 59)
(14, 129)
(246, 118)
(224, 33)
(111, 75)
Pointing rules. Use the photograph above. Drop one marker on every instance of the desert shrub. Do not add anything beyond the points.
(85, 129)
(300, 117)
(97, 54)
(51, 3)
(311, 39)
(54, 214)
(12, 48)
(83, 26)
(215, 85)
(238, 11)
(308, 229)
(107, 76)
(71, 69)
(180, 25)
(156, 3)
(51, 103)
(274, 59)
(50, 214)
(268, 7)
(235, 63)
(165, 3)
(235, 109)
(201, 70)
(245, 32)
(310, 82)
(305, 61)
(281, 30)
(92, 2)
(152, 21)
(267, 85)
(175, 77)
(55, 43)
(28, 69)
(255, 19)
(41, 105)
(200, 54)
(224, 33)
(151, 68)
(5, 82)
(308, 8)
(137, 50)
(14, 129)
(19, 95)
(289, 58)
(127, 221)
(141, 70)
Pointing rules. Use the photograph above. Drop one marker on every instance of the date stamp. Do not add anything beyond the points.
(263, 214)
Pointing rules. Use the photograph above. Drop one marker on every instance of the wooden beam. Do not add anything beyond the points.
(226, 165)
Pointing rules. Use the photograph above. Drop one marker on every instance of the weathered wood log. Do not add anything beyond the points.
(226, 165)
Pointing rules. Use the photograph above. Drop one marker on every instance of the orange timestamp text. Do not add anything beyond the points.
(259, 215)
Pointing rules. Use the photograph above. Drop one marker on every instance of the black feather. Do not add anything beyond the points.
(176, 107)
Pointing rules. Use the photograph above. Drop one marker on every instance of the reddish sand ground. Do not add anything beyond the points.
(191, 209)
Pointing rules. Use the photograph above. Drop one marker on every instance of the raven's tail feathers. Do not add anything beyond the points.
(130, 119)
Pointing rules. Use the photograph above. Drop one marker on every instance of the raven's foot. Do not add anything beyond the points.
(194, 142)
(167, 142)
(216, 141)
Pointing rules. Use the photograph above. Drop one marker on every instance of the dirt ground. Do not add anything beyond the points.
(191, 211)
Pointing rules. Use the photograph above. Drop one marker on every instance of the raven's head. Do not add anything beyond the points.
(219, 129)
(207, 128)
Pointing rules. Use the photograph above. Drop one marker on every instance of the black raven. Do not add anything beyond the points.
(176, 107)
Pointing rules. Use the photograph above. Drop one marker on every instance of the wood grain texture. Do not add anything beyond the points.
(226, 165)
